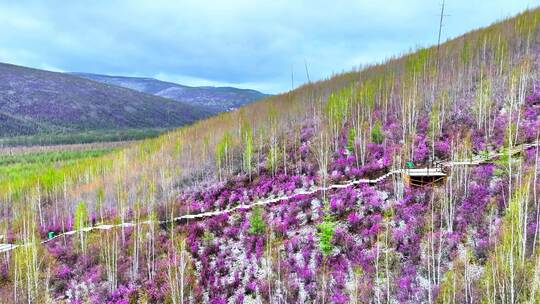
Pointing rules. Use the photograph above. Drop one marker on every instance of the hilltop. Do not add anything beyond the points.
(219, 99)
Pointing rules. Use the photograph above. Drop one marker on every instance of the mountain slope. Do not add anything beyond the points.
(472, 238)
(35, 101)
(217, 98)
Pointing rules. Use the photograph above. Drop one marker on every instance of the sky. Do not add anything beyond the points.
(247, 44)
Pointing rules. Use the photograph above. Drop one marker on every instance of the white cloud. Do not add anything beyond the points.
(236, 42)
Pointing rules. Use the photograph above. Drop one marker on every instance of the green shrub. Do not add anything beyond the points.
(350, 140)
(257, 225)
(326, 233)
(377, 135)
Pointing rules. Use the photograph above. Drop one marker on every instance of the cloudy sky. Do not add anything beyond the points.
(248, 44)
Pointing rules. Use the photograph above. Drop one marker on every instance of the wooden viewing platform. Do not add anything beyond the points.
(424, 176)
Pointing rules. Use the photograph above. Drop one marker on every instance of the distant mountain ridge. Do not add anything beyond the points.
(34, 101)
(218, 99)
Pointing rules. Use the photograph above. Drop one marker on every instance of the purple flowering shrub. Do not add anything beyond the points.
(530, 124)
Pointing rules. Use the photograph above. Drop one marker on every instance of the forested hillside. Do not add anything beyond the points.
(216, 99)
(472, 239)
(35, 101)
